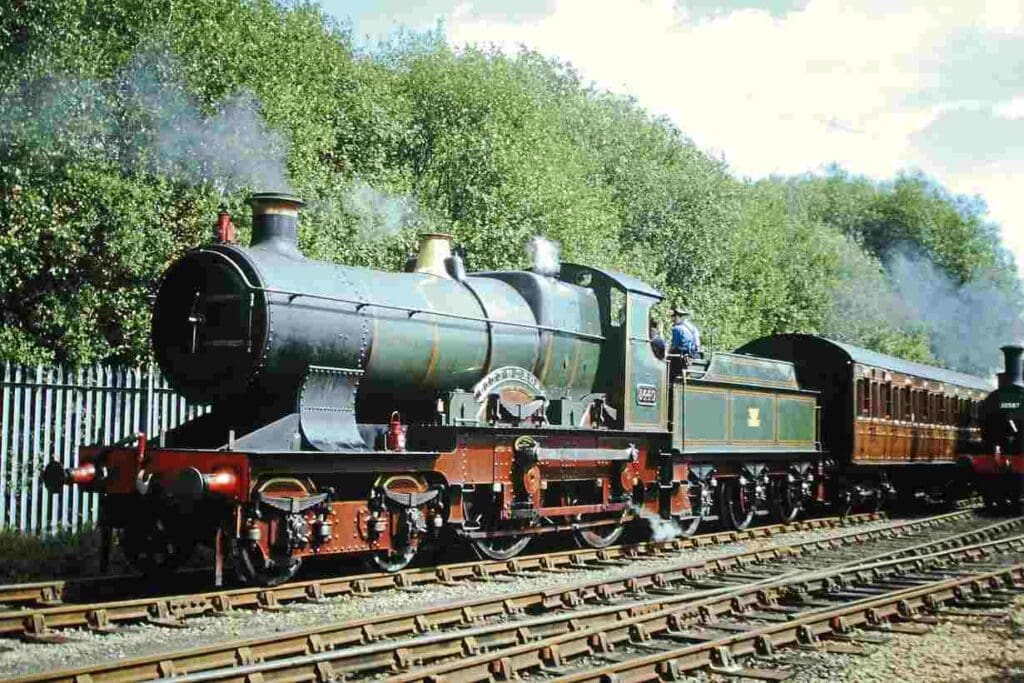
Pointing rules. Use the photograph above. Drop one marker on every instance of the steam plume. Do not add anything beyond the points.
(144, 119)
(966, 323)
(544, 254)
(379, 215)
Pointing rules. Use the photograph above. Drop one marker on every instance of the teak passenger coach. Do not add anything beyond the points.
(366, 413)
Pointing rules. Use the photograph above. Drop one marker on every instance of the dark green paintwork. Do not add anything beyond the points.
(796, 420)
(703, 415)
(753, 417)
(729, 367)
(648, 375)
(715, 412)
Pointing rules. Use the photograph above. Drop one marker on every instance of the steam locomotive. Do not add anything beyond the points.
(998, 466)
(371, 414)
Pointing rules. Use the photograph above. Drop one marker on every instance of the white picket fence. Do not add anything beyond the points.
(48, 412)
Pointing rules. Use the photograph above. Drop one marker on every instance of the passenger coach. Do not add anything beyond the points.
(889, 425)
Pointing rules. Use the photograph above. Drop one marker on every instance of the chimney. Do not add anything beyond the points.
(1014, 374)
(275, 222)
(435, 249)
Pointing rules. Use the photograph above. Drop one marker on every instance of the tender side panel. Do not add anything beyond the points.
(797, 424)
(752, 418)
(710, 419)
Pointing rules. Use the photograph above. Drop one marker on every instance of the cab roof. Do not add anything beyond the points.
(626, 282)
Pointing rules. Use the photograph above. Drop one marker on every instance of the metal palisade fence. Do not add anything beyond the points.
(48, 412)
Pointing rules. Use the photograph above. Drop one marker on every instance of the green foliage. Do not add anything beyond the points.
(413, 136)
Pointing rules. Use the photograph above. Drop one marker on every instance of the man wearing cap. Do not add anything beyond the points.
(685, 335)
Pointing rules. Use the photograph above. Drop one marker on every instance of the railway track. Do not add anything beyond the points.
(390, 642)
(58, 592)
(43, 609)
(666, 642)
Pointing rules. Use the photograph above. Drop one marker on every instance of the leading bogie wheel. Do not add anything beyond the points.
(391, 561)
(598, 537)
(407, 525)
(255, 569)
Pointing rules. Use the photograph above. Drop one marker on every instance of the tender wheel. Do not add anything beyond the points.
(877, 501)
(253, 568)
(701, 503)
(738, 503)
(154, 549)
(787, 498)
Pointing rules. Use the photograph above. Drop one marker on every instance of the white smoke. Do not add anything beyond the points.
(966, 323)
(144, 119)
(661, 529)
(544, 254)
(378, 214)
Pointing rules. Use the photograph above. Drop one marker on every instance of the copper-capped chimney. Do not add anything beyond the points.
(1013, 375)
(275, 222)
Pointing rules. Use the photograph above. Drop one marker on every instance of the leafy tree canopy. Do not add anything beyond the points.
(124, 125)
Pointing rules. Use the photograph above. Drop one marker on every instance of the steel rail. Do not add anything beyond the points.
(57, 591)
(38, 622)
(417, 622)
(552, 653)
(54, 592)
(377, 657)
(806, 630)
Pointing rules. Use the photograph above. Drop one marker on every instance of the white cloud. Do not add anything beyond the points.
(1014, 109)
(849, 81)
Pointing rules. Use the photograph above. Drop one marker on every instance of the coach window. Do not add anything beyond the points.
(863, 397)
(876, 403)
(908, 409)
(940, 413)
(887, 400)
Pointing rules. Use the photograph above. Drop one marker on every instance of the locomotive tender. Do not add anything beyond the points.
(365, 413)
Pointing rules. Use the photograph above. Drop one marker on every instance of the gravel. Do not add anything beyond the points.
(86, 647)
(976, 648)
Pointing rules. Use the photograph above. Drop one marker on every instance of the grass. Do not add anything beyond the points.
(24, 557)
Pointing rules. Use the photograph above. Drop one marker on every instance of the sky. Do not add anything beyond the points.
(785, 86)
